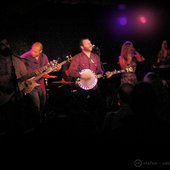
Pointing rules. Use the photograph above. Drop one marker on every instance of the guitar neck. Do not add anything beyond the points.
(38, 73)
(117, 72)
(29, 75)
(63, 62)
(129, 70)
(40, 70)
(44, 73)
(112, 72)
(25, 77)
(48, 70)
(99, 75)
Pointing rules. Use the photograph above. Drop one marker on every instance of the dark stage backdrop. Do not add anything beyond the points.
(59, 26)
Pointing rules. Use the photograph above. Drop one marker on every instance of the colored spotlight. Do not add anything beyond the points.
(142, 19)
(123, 21)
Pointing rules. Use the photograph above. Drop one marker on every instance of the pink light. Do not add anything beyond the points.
(142, 19)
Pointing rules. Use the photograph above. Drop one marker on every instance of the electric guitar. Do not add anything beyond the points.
(31, 83)
(93, 78)
(37, 71)
(22, 80)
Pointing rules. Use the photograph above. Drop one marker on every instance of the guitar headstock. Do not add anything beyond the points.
(129, 69)
(53, 63)
(69, 58)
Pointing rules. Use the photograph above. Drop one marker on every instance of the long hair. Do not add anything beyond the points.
(125, 48)
(164, 44)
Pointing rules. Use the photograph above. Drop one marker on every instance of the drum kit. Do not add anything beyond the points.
(62, 82)
(61, 95)
(47, 76)
(58, 83)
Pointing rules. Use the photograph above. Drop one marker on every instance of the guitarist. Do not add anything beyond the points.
(35, 59)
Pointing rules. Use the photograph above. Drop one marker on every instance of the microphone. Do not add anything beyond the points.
(95, 47)
(136, 51)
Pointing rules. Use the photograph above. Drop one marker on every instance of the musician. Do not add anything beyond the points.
(129, 58)
(163, 57)
(90, 100)
(85, 60)
(35, 59)
(11, 68)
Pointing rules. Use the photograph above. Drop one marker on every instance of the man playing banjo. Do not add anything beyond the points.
(85, 64)
(85, 67)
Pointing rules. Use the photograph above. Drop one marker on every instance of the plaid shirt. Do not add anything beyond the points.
(82, 61)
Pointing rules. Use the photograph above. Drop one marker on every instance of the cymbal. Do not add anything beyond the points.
(62, 82)
(47, 76)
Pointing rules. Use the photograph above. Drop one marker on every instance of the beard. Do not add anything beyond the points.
(89, 49)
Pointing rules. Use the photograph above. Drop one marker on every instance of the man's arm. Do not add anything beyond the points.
(73, 69)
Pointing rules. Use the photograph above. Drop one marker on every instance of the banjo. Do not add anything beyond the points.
(88, 84)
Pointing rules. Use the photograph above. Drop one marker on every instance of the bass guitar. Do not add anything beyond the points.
(31, 83)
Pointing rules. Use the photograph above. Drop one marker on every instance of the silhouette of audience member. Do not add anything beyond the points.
(144, 108)
(117, 123)
(11, 68)
(162, 92)
(163, 56)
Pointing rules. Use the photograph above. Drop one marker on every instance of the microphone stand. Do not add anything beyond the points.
(99, 54)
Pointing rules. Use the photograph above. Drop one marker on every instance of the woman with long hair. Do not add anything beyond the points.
(129, 58)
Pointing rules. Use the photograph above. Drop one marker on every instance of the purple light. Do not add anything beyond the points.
(123, 21)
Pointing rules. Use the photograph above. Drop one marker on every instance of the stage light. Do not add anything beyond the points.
(123, 21)
(142, 19)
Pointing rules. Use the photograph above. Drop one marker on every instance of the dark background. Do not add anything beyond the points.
(59, 24)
